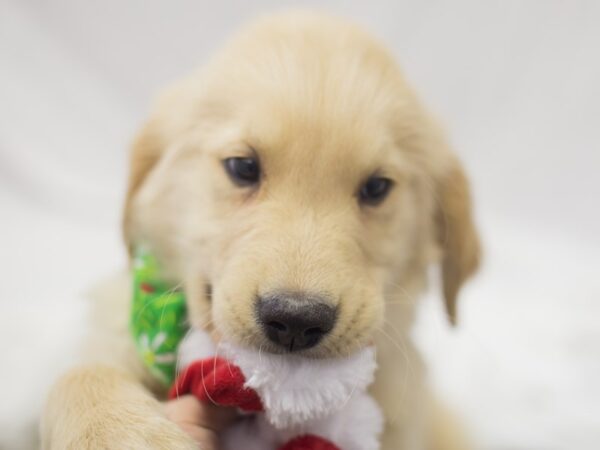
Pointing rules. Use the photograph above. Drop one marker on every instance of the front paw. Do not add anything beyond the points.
(130, 432)
(102, 408)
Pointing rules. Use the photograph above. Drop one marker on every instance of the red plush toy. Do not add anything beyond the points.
(287, 402)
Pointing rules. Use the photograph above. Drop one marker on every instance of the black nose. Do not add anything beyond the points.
(295, 321)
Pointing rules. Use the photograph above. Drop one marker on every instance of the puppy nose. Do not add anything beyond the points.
(295, 322)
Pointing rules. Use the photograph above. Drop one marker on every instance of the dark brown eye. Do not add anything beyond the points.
(374, 190)
(243, 171)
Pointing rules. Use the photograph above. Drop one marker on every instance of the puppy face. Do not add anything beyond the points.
(291, 187)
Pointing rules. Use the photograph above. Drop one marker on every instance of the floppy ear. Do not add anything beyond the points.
(456, 234)
(145, 153)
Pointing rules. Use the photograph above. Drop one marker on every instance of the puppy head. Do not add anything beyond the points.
(294, 187)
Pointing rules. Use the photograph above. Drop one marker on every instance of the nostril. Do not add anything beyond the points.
(295, 322)
(313, 332)
(277, 325)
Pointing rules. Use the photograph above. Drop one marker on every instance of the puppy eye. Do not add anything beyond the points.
(243, 171)
(374, 190)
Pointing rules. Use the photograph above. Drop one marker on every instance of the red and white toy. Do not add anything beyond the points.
(289, 402)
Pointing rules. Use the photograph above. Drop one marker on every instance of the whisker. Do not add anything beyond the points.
(178, 360)
(405, 355)
(401, 337)
(158, 298)
(162, 312)
(408, 298)
(350, 394)
(215, 361)
(204, 386)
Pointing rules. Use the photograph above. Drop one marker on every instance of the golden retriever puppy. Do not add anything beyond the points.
(296, 178)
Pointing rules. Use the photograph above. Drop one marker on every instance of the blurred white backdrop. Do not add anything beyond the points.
(517, 84)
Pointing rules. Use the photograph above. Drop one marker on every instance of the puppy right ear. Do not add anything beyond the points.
(145, 153)
(457, 234)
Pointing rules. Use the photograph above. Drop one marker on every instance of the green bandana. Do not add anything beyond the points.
(158, 320)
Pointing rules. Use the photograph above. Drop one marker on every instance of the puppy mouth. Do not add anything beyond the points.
(330, 346)
(317, 351)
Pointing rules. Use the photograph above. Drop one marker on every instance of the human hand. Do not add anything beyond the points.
(202, 421)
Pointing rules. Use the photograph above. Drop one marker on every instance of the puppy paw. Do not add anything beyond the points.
(133, 433)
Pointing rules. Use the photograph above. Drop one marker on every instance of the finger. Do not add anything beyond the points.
(188, 410)
(207, 439)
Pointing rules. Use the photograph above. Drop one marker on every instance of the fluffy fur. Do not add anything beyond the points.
(324, 107)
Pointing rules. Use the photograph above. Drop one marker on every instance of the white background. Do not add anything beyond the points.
(517, 84)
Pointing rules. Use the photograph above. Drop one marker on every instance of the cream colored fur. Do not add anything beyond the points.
(323, 106)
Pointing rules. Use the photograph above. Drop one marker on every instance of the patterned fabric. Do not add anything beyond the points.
(158, 320)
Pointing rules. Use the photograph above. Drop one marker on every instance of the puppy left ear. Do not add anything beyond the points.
(146, 151)
(456, 234)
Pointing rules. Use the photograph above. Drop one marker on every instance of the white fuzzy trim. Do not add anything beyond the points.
(357, 426)
(295, 390)
(196, 345)
(324, 397)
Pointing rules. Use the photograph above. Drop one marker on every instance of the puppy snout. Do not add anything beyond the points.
(295, 322)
